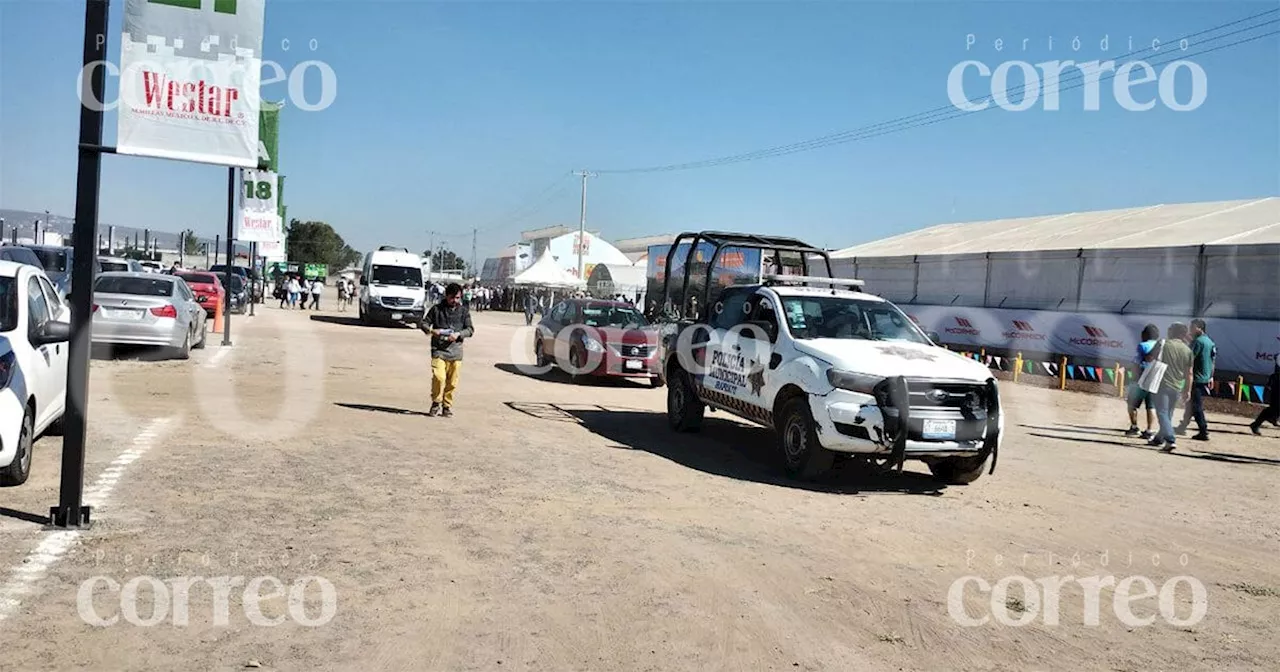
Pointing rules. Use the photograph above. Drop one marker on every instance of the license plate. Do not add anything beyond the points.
(122, 313)
(397, 316)
(633, 364)
(939, 429)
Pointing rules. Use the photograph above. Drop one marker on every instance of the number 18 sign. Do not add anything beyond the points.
(259, 215)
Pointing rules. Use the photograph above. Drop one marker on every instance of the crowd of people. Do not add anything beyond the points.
(1177, 369)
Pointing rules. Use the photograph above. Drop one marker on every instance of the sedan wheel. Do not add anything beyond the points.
(18, 471)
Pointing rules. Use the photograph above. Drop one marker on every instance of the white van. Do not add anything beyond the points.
(391, 287)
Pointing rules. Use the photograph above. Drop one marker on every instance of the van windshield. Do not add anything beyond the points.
(407, 276)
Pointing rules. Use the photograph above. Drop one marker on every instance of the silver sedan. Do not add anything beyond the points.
(147, 309)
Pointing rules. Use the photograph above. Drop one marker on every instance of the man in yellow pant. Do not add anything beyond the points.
(448, 323)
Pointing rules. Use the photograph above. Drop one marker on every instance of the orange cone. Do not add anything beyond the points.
(217, 317)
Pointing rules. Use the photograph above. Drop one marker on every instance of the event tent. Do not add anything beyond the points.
(545, 272)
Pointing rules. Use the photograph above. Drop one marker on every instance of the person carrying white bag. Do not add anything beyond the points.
(1169, 378)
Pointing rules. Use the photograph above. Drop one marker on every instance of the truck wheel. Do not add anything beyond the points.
(684, 409)
(958, 470)
(803, 455)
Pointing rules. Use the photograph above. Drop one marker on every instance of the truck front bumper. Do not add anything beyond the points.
(854, 423)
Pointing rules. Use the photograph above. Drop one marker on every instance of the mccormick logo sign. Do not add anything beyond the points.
(1023, 330)
(1096, 338)
(963, 327)
(1267, 356)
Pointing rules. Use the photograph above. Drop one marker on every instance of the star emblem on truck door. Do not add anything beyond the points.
(756, 378)
(907, 353)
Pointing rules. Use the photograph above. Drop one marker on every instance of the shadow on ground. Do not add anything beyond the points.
(380, 409)
(7, 512)
(1186, 447)
(556, 375)
(353, 321)
(723, 448)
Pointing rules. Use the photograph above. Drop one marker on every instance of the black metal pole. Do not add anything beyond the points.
(71, 511)
(253, 283)
(231, 252)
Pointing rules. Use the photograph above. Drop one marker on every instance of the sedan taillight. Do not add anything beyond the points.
(165, 311)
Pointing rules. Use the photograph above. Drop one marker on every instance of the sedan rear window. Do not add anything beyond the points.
(136, 286)
(199, 278)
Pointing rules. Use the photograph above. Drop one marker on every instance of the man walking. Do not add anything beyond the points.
(1272, 412)
(530, 305)
(1204, 354)
(448, 323)
(1173, 351)
(316, 290)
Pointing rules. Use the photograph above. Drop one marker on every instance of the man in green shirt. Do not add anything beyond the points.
(1203, 353)
(1177, 356)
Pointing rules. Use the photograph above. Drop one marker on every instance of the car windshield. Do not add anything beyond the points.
(8, 304)
(612, 316)
(843, 317)
(131, 285)
(54, 261)
(112, 265)
(197, 278)
(397, 275)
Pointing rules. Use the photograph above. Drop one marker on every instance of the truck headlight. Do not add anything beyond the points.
(856, 382)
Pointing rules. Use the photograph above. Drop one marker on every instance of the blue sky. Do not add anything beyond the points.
(450, 115)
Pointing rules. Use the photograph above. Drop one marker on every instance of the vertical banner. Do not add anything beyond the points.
(259, 220)
(190, 71)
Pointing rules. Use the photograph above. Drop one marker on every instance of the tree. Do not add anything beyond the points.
(446, 260)
(317, 243)
(190, 244)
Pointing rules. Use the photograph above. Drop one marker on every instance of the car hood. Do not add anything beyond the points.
(893, 358)
(624, 336)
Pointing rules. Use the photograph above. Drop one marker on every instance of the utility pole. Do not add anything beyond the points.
(582, 221)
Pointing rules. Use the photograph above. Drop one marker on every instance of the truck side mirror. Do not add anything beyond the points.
(933, 336)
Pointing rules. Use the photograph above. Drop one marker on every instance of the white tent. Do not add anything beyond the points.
(545, 272)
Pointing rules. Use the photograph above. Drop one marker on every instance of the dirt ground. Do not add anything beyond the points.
(556, 526)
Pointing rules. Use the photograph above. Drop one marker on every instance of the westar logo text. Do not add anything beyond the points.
(1024, 331)
(188, 97)
(1097, 338)
(964, 327)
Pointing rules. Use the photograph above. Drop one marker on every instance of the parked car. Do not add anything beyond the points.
(598, 338)
(58, 261)
(121, 264)
(207, 287)
(151, 266)
(35, 326)
(21, 255)
(239, 291)
(148, 309)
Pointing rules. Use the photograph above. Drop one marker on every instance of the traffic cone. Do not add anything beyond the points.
(217, 317)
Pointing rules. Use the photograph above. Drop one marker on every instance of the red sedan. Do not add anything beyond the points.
(207, 288)
(589, 337)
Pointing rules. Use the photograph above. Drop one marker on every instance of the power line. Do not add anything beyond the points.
(946, 112)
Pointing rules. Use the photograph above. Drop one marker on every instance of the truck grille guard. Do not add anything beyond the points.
(894, 398)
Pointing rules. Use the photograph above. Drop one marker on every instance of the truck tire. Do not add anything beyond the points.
(684, 410)
(958, 470)
(802, 454)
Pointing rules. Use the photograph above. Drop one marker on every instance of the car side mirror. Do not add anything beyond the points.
(933, 336)
(53, 331)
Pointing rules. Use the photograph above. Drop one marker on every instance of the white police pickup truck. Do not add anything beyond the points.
(834, 371)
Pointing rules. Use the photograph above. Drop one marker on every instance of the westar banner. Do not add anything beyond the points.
(189, 77)
(259, 213)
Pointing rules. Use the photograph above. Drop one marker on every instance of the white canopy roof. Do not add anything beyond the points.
(545, 272)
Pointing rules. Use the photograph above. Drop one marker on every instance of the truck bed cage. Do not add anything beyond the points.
(723, 239)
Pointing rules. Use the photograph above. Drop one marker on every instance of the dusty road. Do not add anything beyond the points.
(551, 526)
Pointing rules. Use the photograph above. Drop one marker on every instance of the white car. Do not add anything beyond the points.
(35, 326)
(834, 371)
